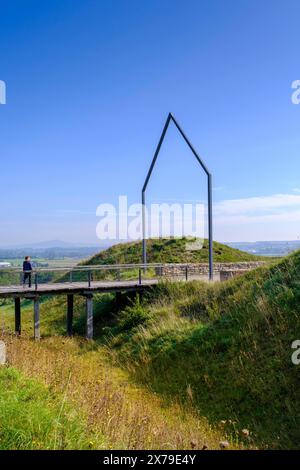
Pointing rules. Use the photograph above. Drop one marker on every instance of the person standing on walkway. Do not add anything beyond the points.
(27, 270)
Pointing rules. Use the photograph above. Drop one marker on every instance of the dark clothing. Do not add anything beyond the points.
(27, 275)
(27, 266)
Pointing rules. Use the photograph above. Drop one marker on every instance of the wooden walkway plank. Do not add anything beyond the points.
(75, 288)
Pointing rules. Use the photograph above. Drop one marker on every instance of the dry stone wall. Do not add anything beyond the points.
(226, 270)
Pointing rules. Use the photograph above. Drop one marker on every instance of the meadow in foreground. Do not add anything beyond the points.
(187, 366)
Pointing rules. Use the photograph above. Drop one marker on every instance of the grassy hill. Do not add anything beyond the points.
(172, 250)
(213, 360)
(166, 250)
(158, 251)
(225, 349)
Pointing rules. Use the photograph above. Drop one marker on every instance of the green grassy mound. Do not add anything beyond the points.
(173, 250)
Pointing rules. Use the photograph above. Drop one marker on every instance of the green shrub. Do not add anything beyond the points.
(133, 315)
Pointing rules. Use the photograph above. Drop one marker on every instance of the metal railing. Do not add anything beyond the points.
(90, 273)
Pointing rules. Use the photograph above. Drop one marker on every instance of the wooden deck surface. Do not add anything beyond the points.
(75, 288)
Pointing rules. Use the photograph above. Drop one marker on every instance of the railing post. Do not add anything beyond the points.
(18, 315)
(36, 280)
(186, 272)
(140, 276)
(71, 276)
(89, 278)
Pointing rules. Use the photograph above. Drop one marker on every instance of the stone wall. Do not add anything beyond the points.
(232, 269)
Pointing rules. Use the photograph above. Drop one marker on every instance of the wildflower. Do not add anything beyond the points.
(224, 444)
(245, 432)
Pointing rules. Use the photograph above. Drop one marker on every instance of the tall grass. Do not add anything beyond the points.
(229, 344)
(33, 418)
(128, 416)
(189, 362)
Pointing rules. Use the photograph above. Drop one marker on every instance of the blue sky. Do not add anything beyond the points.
(90, 84)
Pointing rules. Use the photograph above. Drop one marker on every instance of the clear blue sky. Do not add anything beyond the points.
(90, 83)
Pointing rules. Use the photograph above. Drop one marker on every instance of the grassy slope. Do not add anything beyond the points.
(168, 251)
(223, 350)
(130, 417)
(33, 418)
(226, 348)
(220, 350)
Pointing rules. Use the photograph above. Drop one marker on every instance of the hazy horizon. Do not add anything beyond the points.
(65, 244)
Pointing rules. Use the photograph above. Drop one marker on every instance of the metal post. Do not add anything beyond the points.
(210, 229)
(89, 278)
(144, 228)
(71, 276)
(89, 317)
(36, 281)
(118, 299)
(140, 276)
(36, 310)
(18, 315)
(70, 309)
(186, 272)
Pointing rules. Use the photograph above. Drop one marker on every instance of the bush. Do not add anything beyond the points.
(133, 315)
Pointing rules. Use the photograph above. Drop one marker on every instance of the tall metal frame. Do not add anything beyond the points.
(209, 191)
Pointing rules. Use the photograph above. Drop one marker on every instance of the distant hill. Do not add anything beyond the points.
(268, 248)
(168, 251)
(53, 244)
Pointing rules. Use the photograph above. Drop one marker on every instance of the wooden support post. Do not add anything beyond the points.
(36, 309)
(118, 299)
(18, 315)
(70, 309)
(89, 317)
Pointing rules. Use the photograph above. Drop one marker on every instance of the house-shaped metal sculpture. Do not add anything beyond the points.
(209, 190)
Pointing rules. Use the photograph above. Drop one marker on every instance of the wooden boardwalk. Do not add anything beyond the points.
(69, 289)
(86, 288)
(75, 288)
